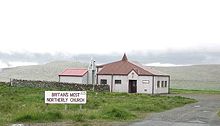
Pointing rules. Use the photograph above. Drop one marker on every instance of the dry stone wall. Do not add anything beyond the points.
(58, 85)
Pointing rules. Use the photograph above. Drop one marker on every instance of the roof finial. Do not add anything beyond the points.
(124, 57)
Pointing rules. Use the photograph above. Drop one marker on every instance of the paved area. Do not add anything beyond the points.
(202, 113)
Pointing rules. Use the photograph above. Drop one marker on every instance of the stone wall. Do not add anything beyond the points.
(58, 85)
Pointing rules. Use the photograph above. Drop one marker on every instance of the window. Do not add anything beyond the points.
(145, 81)
(165, 83)
(103, 81)
(117, 81)
(162, 84)
(158, 84)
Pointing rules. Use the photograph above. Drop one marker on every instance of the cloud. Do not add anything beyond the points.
(169, 57)
(99, 26)
(166, 64)
(3, 65)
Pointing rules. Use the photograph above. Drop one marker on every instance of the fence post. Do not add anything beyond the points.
(47, 106)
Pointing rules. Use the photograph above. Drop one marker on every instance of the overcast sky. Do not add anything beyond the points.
(115, 26)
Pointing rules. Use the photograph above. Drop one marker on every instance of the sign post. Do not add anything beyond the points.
(65, 97)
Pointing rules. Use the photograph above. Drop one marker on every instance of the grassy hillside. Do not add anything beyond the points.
(48, 71)
(25, 105)
(195, 72)
(206, 77)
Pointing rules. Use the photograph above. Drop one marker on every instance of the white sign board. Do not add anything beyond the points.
(65, 97)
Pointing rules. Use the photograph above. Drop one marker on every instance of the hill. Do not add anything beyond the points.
(194, 77)
(47, 71)
(195, 72)
(186, 77)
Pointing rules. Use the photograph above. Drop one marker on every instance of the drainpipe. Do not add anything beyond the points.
(169, 85)
(97, 79)
(153, 85)
(93, 77)
(112, 83)
(87, 78)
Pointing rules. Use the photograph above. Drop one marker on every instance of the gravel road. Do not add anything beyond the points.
(202, 113)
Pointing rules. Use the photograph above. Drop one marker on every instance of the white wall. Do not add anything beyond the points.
(132, 75)
(123, 87)
(161, 89)
(73, 79)
(142, 87)
(107, 77)
(85, 79)
(90, 77)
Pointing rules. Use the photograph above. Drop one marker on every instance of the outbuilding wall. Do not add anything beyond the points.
(74, 79)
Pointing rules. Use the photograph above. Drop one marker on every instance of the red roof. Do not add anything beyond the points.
(74, 72)
(124, 67)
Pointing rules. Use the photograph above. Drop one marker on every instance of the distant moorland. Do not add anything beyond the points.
(184, 77)
(205, 77)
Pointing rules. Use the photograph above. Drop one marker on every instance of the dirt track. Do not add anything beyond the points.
(202, 113)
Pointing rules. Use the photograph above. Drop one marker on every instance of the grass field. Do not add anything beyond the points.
(219, 113)
(25, 105)
(195, 85)
(187, 91)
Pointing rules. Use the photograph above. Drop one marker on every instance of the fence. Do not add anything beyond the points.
(58, 85)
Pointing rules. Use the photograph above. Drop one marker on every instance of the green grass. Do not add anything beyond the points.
(219, 113)
(39, 117)
(26, 105)
(188, 91)
(195, 85)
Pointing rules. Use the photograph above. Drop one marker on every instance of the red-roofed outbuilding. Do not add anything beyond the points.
(74, 75)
